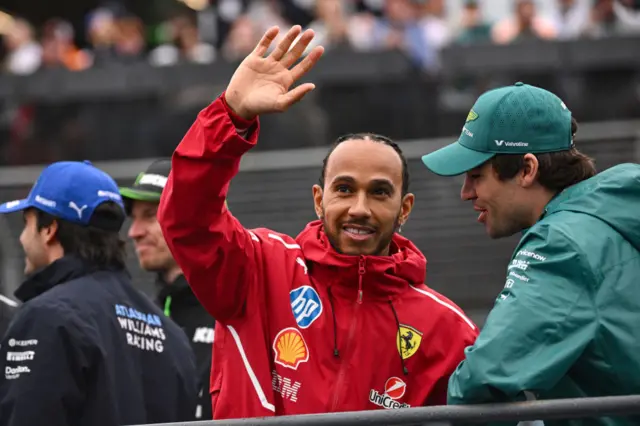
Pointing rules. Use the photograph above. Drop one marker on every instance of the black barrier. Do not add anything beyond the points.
(338, 66)
(136, 110)
(575, 408)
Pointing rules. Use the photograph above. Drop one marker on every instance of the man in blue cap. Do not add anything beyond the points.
(86, 347)
(566, 323)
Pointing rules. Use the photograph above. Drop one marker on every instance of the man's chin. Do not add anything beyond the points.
(364, 250)
(152, 265)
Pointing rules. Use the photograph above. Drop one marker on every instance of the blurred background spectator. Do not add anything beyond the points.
(473, 27)
(24, 54)
(169, 32)
(525, 24)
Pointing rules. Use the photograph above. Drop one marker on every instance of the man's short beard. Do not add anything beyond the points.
(382, 246)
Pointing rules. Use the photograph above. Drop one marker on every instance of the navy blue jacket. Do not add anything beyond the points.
(8, 309)
(87, 348)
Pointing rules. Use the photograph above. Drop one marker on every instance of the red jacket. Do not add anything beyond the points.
(301, 328)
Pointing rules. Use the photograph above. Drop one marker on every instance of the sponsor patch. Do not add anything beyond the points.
(394, 389)
(29, 342)
(518, 264)
(285, 386)
(203, 335)
(531, 254)
(153, 180)
(290, 348)
(408, 341)
(472, 116)
(142, 330)
(306, 305)
(12, 204)
(12, 373)
(21, 356)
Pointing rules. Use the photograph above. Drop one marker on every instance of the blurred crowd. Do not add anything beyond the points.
(229, 29)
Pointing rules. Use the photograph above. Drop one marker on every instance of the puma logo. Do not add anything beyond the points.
(78, 210)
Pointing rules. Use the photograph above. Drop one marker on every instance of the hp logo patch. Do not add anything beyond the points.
(306, 305)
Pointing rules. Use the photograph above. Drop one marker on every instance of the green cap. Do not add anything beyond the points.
(148, 185)
(516, 119)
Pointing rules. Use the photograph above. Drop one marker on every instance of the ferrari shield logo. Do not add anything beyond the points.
(408, 341)
(472, 116)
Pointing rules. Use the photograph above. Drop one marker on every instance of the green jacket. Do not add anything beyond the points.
(567, 323)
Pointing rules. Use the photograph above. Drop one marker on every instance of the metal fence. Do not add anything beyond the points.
(577, 408)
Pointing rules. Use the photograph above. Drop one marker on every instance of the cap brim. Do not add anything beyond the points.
(454, 160)
(140, 195)
(14, 206)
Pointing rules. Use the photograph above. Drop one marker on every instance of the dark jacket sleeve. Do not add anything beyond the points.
(8, 309)
(44, 363)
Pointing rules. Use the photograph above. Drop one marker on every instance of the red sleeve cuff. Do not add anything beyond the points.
(240, 123)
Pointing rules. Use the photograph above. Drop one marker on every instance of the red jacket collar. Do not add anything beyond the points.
(384, 276)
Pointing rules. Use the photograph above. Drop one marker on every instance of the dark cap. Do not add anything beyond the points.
(148, 185)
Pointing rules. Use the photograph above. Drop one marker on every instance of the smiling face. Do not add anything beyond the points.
(151, 247)
(35, 243)
(502, 204)
(361, 204)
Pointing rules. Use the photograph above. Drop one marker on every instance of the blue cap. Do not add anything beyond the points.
(71, 190)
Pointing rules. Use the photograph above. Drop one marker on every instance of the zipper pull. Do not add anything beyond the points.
(361, 272)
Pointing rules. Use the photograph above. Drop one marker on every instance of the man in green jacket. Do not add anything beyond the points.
(567, 323)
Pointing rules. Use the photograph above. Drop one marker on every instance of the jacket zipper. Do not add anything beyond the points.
(352, 330)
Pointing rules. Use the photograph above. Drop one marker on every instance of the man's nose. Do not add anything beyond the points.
(360, 207)
(468, 191)
(136, 230)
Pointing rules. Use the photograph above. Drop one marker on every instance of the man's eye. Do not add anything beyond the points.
(381, 191)
(343, 188)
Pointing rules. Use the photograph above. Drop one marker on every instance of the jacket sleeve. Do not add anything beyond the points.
(44, 360)
(217, 255)
(540, 324)
(7, 311)
(458, 334)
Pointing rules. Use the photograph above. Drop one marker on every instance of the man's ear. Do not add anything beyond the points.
(529, 171)
(406, 207)
(49, 233)
(317, 200)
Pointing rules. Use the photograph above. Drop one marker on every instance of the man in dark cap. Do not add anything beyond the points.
(175, 296)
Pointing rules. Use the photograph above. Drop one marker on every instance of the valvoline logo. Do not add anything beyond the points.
(306, 305)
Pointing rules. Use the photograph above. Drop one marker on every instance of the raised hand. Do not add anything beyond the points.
(261, 84)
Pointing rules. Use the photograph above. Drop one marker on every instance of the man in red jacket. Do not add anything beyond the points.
(337, 319)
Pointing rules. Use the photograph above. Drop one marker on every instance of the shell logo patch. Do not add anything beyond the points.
(290, 348)
(408, 341)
